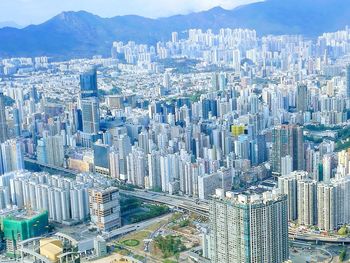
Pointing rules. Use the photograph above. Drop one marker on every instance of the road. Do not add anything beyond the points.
(188, 204)
(52, 167)
(317, 238)
(133, 227)
(202, 208)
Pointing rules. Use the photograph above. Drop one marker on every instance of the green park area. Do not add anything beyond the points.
(170, 245)
(131, 242)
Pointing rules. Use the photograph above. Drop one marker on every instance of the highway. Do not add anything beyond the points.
(52, 167)
(317, 238)
(202, 208)
(133, 227)
(178, 202)
(182, 203)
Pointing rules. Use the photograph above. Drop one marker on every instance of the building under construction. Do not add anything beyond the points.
(22, 225)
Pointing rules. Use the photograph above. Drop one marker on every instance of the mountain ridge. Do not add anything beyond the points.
(82, 34)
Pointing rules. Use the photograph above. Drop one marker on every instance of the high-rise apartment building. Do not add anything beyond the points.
(326, 206)
(12, 156)
(3, 123)
(248, 227)
(287, 140)
(307, 202)
(50, 150)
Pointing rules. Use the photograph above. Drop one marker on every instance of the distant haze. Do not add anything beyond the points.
(25, 12)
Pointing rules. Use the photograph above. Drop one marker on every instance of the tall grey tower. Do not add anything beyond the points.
(3, 124)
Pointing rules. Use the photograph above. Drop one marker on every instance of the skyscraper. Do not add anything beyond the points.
(91, 115)
(301, 98)
(326, 206)
(288, 185)
(88, 84)
(307, 202)
(248, 227)
(287, 140)
(101, 158)
(3, 123)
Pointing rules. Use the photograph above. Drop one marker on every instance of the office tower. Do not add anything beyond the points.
(301, 98)
(307, 202)
(327, 207)
(248, 227)
(90, 115)
(88, 84)
(12, 156)
(287, 140)
(348, 81)
(101, 157)
(3, 123)
(105, 208)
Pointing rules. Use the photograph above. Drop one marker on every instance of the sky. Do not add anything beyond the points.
(24, 12)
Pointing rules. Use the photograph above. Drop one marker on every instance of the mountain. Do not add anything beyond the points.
(79, 34)
(9, 24)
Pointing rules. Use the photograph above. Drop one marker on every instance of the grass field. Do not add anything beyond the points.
(131, 242)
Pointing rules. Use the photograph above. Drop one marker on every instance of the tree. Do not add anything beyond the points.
(169, 245)
(342, 254)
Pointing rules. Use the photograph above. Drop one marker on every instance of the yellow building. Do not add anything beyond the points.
(237, 130)
(79, 165)
(51, 248)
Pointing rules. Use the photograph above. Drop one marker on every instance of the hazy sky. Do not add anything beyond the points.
(26, 12)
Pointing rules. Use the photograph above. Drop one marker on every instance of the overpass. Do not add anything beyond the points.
(183, 203)
(318, 238)
(51, 167)
(202, 209)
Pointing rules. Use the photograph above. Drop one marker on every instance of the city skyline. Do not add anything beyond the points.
(215, 137)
